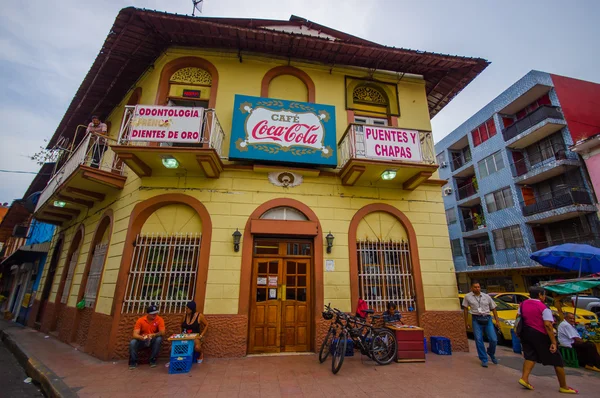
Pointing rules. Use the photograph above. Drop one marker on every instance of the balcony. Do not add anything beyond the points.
(474, 226)
(542, 122)
(89, 173)
(170, 157)
(587, 239)
(377, 156)
(467, 195)
(558, 205)
(555, 163)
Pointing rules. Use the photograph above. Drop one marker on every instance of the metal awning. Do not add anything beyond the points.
(27, 253)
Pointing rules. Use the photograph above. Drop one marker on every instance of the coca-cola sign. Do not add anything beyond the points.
(285, 131)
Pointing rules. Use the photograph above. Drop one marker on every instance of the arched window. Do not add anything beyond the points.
(385, 271)
(190, 86)
(70, 265)
(369, 98)
(93, 273)
(283, 213)
(165, 261)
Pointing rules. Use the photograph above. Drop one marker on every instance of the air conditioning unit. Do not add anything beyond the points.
(444, 165)
(447, 191)
(20, 231)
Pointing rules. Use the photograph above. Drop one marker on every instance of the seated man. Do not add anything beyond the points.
(392, 315)
(569, 337)
(147, 332)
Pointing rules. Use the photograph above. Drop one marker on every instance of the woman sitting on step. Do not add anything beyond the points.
(194, 322)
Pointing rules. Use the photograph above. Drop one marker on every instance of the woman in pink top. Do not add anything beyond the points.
(538, 340)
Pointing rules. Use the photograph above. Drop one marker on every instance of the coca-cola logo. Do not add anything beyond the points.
(284, 128)
(277, 130)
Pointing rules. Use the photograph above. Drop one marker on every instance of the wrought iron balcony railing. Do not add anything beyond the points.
(588, 239)
(543, 159)
(542, 113)
(556, 199)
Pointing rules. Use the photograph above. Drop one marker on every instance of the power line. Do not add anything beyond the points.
(23, 172)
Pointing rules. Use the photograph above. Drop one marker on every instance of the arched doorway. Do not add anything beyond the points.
(49, 279)
(64, 288)
(92, 275)
(282, 281)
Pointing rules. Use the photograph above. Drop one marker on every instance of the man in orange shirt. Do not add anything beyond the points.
(147, 332)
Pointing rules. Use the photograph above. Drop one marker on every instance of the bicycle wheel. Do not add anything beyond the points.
(384, 346)
(325, 346)
(339, 353)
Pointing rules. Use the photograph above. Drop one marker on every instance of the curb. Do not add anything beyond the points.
(51, 384)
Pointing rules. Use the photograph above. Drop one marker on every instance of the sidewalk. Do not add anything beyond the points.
(458, 375)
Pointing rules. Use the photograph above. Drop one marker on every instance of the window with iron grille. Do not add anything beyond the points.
(163, 272)
(385, 274)
(67, 287)
(508, 238)
(498, 200)
(95, 273)
(491, 164)
(456, 247)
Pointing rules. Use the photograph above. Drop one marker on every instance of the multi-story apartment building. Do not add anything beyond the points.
(514, 186)
(262, 168)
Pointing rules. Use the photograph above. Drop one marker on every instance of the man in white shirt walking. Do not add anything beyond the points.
(480, 305)
(569, 337)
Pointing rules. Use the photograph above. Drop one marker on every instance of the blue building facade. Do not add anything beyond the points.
(514, 187)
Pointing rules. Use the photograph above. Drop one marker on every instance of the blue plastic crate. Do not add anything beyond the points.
(182, 348)
(425, 345)
(349, 347)
(440, 345)
(516, 343)
(181, 364)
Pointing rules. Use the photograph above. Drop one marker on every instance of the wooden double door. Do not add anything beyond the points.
(280, 310)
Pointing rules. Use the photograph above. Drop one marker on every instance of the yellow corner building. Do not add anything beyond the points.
(262, 168)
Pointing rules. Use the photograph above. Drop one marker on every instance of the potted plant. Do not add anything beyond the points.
(475, 184)
(479, 220)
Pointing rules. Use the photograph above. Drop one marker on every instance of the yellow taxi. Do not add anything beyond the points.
(516, 298)
(506, 315)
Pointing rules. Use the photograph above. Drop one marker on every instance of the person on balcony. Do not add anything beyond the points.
(148, 332)
(587, 355)
(98, 141)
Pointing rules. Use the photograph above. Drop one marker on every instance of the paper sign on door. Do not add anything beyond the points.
(272, 281)
(261, 281)
(272, 293)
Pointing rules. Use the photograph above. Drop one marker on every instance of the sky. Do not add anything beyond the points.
(46, 49)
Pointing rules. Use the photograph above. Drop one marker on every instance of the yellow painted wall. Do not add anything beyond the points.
(231, 198)
(173, 219)
(289, 88)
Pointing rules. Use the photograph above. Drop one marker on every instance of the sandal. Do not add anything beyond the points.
(525, 384)
(568, 390)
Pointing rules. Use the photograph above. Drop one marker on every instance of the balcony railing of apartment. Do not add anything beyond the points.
(355, 158)
(145, 158)
(467, 190)
(588, 239)
(545, 158)
(460, 161)
(555, 200)
(472, 224)
(92, 154)
(479, 255)
(541, 113)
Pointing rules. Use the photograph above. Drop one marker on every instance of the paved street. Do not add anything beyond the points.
(458, 375)
(12, 376)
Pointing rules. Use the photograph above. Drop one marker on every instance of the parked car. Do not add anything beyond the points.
(507, 316)
(586, 302)
(516, 298)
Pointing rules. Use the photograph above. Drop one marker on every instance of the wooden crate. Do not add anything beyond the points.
(410, 344)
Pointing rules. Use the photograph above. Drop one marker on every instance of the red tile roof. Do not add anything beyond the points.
(139, 36)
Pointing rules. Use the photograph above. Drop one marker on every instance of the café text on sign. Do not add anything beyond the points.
(286, 131)
(166, 124)
(393, 144)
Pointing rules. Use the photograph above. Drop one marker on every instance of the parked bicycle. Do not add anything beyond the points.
(378, 344)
